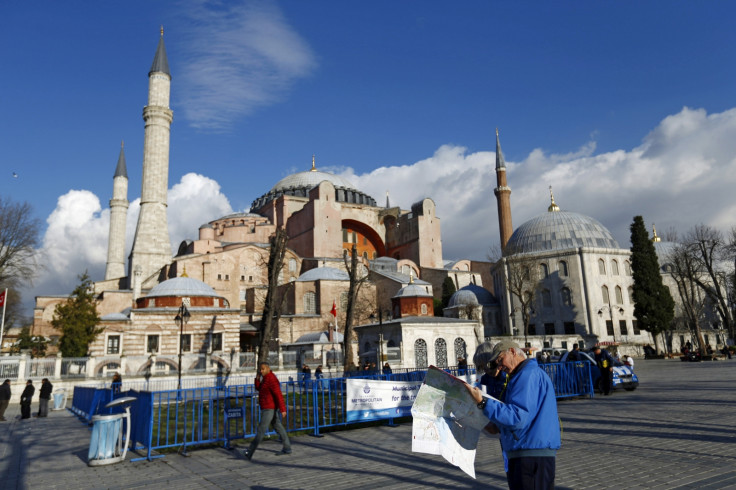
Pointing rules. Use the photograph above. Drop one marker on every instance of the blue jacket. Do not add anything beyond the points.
(527, 419)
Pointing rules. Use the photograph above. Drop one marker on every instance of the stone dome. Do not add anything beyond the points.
(411, 291)
(664, 251)
(182, 286)
(324, 274)
(471, 295)
(560, 230)
(300, 183)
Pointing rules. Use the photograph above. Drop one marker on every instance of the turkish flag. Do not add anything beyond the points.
(2, 297)
(334, 309)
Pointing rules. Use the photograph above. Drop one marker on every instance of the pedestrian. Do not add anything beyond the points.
(605, 363)
(269, 399)
(25, 400)
(462, 366)
(629, 361)
(493, 379)
(306, 377)
(526, 419)
(574, 354)
(4, 398)
(44, 395)
(387, 369)
(117, 383)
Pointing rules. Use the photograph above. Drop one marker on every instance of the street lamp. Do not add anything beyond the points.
(181, 319)
(610, 312)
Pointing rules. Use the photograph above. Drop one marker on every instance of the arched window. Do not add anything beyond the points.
(420, 353)
(614, 267)
(566, 296)
(460, 349)
(627, 268)
(631, 295)
(546, 298)
(423, 308)
(344, 301)
(292, 265)
(310, 303)
(604, 293)
(440, 352)
(562, 268)
(544, 270)
(601, 266)
(619, 296)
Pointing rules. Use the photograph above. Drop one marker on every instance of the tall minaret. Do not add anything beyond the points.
(151, 245)
(503, 197)
(118, 218)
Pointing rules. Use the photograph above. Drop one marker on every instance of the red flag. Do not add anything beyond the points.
(2, 298)
(334, 309)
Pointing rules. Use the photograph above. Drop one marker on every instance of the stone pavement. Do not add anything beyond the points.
(675, 431)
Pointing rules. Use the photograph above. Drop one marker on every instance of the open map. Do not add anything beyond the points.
(447, 421)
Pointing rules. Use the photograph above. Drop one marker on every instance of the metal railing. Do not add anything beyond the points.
(166, 419)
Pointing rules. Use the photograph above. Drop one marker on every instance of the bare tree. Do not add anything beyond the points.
(19, 238)
(692, 298)
(358, 276)
(711, 252)
(522, 280)
(275, 296)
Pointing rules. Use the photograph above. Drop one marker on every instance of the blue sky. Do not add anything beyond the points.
(625, 108)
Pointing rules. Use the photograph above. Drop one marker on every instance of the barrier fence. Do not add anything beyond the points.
(194, 416)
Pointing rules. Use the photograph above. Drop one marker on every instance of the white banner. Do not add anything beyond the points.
(369, 399)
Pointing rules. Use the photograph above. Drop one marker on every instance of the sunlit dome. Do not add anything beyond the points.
(471, 295)
(560, 230)
(182, 286)
(300, 183)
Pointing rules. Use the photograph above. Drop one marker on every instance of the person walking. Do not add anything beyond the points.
(4, 398)
(269, 398)
(527, 418)
(25, 400)
(605, 363)
(44, 395)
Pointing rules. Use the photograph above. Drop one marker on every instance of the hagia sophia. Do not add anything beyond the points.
(220, 274)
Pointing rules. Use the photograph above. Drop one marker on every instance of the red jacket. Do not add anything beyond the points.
(269, 393)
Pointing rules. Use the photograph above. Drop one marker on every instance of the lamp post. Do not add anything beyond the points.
(181, 319)
(610, 313)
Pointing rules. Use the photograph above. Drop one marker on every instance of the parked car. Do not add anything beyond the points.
(623, 376)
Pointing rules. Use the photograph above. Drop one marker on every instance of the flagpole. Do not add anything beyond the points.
(2, 326)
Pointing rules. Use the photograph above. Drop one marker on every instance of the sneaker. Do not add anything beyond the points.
(247, 454)
(283, 452)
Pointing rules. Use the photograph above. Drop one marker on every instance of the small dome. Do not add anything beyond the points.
(182, 286)
(471, 295)
(324, 274)
(311, 179)
(412, 291)
(664, 252)
(560, 230)
(317, 338)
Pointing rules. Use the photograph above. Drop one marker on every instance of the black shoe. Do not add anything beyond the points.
(283, 452)
(247, 454)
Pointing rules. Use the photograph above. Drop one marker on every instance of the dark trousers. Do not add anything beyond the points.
(3, 406)
(534, 472)
(267, 416)
(25, 410)
(43, 407)
(606, 380)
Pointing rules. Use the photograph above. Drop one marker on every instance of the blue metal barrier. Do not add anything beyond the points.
(188, 417)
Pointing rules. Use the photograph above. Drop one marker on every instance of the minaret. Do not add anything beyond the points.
(151, 245)
(503, 197)
(118, 217)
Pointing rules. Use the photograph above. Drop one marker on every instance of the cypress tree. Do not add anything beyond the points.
(448, 289)
(654, 307)
(77, 320)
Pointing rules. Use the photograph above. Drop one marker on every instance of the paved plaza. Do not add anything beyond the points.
(675, 431)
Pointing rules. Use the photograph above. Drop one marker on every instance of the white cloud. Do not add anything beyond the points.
(77, 233)
(682, 174)
(242, 55)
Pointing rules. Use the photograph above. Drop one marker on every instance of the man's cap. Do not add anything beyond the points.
(502, 346)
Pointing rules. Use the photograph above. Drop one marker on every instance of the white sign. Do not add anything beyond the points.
(369, 399)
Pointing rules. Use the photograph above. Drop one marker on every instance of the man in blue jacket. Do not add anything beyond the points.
(605, 363)
(527, 419)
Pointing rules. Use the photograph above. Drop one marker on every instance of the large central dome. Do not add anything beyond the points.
(560, 230)
(300, 183)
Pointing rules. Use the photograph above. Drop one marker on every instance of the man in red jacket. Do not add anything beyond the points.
(270, 398)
